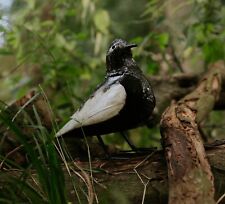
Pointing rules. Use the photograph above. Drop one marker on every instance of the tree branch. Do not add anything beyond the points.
(190, 177)
(116, 180)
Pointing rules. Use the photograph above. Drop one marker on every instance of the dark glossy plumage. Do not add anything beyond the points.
(124, 84)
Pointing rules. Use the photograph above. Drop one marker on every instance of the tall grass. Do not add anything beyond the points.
(42, 180)
(48, 186)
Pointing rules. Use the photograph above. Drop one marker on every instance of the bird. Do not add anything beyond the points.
(125, 99)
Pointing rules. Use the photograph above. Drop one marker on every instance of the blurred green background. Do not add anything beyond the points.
(61, 45)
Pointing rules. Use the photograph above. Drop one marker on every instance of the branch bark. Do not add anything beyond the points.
(189, 173)
(119, 181)
(175, 87)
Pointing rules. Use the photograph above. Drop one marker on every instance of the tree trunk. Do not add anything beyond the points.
(189, 173)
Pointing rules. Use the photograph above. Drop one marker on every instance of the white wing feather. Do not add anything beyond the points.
(104, 105)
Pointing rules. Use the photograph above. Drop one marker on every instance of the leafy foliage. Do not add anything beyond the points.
(207, 30)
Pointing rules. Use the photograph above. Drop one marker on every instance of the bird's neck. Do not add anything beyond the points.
(119, 63)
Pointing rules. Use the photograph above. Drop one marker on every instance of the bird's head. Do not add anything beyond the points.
(117, 54)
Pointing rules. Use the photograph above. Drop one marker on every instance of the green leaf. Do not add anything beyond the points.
(5, 51)
(137, 40)
(62, 42)
(102, 21)
(214, 50)
(152, 68)
(2, 28)
(162, 40)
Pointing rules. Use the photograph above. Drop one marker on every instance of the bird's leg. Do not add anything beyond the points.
(133, 147)
(130, 143)
(107, 155)
(101, 142)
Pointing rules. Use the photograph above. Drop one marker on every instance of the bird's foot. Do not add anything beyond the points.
(140, 150)
(127, 154)
(116, 156)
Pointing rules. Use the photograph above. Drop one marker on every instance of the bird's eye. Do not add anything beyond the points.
(113, 47)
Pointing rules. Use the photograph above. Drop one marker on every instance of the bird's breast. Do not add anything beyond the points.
(140, 100)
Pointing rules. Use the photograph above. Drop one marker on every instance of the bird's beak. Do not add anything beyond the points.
(131, 45)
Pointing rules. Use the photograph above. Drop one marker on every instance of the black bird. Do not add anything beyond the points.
(123, 101)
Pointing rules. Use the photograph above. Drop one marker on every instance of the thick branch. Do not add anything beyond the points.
(190, 177)
(168, 88)
(118, 179)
